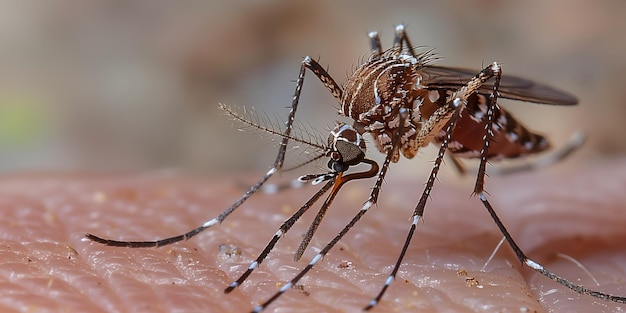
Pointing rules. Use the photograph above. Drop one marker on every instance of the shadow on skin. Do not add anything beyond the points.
(45, 265)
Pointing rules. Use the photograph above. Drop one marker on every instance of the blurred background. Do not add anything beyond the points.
(135, 85)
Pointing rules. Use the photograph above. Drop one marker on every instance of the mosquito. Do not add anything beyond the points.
(404, 103)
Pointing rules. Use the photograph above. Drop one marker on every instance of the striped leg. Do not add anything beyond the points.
(453, 108)
(479, 190)
(284, 228)
(332, 87)
(417, 216)
(538, 267)
(373, 198)
(338, 180)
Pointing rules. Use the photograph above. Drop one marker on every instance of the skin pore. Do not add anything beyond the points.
(574, 208)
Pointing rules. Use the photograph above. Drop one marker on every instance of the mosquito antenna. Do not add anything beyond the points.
(256, 122)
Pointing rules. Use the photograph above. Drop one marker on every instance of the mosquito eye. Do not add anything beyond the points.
(335, 155)
(351, 154)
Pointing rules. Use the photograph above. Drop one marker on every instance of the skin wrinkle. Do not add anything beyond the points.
(574, 208)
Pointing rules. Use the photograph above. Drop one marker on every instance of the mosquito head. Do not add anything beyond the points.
(346, 147)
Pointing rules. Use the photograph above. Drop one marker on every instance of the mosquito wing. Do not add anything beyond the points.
(511, 87)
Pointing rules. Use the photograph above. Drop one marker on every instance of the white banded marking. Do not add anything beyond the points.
(389, 280)
(366, 206)
(285, 287)
(534, 265)
(211, 222)
(253, 265)
(315, 259)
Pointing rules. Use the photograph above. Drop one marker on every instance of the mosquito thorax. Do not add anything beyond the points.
(375, 94)
(346, 147)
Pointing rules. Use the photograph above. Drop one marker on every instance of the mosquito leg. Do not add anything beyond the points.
(336, 183)
(284, 228)
(314, 225)
(419, 210)
(332, 87)
(450, 112)
(457, 100)
(538, 267)
(322, 212)
(371, 200)
(479, 190)
(324, 77)
(488, 134)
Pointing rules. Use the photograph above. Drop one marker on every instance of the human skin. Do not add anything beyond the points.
(576, 209)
